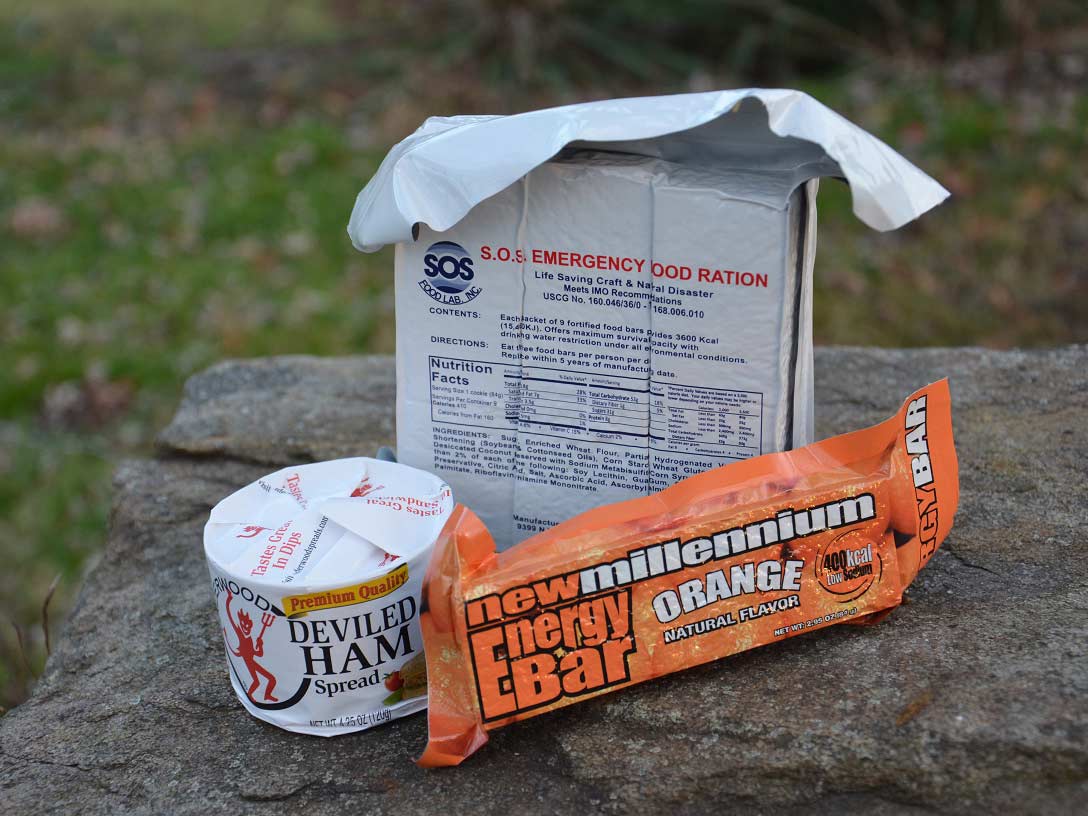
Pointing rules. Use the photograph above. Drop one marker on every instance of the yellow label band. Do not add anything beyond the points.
(298, 605)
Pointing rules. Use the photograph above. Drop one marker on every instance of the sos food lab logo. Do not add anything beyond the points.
(448, 274)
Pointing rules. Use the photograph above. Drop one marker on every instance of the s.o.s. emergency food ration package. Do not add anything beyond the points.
(316, 572)
(596, 301)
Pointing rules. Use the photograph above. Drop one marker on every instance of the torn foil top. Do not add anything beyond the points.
(451, 164)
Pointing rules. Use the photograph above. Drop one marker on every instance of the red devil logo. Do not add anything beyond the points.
(249, 649)
(250, 531)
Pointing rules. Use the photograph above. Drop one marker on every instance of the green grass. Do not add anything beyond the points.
(172, 242)
(235, 248)
(174, 188)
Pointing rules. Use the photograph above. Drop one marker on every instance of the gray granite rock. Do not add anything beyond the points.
(971, 698)
(280, 410)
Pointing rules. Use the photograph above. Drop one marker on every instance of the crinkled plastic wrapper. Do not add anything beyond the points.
(731, 559)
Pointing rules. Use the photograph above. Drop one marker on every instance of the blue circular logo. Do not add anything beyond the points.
(449, 273)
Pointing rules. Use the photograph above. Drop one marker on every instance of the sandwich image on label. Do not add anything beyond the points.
(316, 572)
(596, 301)
(728, 560)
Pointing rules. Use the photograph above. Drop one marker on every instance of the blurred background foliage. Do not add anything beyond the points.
(175, 180)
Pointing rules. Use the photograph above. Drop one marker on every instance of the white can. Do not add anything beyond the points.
(317, 571)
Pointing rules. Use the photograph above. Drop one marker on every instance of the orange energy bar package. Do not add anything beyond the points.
(734, 558)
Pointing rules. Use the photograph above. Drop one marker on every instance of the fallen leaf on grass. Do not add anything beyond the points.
(91, 403)
(35, 218)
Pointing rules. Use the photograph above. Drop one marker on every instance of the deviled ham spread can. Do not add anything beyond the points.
(316, 572)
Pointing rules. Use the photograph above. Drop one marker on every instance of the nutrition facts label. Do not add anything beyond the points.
(598, 408)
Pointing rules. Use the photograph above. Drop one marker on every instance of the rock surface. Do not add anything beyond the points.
(972, 697)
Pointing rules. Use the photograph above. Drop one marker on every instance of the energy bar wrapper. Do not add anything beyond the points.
(728, 560)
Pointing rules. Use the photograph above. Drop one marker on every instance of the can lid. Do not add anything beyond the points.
(327, 523)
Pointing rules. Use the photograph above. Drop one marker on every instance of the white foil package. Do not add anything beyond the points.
(596, 301)
(317, 571)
